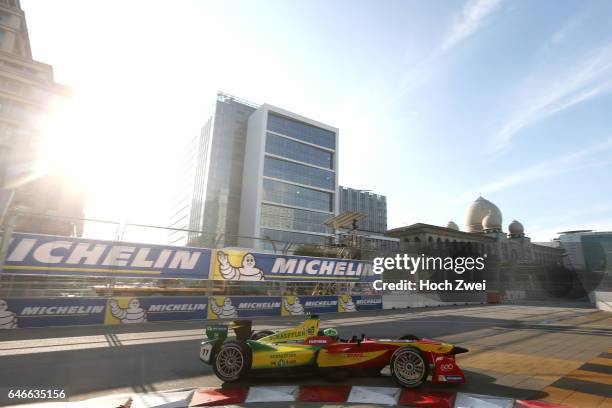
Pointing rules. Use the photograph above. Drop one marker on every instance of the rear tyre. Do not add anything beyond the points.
(409, 367)
(232, 361)
(261, 334)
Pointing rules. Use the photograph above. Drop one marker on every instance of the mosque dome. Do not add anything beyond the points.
(452, 225)
(477, 212)
(492, 222)
(516, 228)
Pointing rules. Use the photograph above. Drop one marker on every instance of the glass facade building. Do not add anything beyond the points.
(292, 178)
(214, 176)
(259, 173)
(373, 205)
(590, 254)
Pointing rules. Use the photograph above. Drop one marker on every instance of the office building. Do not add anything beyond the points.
(27, 94)
(370, 230)
(290, 179)
(213, 174)
(183, 195)
(589, 254)
(258, 172)
(256, 176)
(374, 206)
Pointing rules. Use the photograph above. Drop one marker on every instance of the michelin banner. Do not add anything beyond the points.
(125, 310)
(251, 266)
(306, 305)
(52, 255)
(231, 307)
(40, 312)
(359, 303)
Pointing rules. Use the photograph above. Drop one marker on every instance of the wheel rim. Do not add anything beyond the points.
(409, 367)
(229, 362)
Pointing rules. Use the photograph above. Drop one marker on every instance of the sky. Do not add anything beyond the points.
(436, 101)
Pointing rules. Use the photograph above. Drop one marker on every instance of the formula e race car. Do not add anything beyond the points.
(306, 349)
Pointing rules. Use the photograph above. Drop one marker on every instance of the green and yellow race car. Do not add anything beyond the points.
(307, 349)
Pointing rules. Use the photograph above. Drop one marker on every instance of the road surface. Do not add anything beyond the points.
(535, 351)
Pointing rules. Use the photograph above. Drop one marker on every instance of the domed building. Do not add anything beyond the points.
(483, 235)
(452, 225)
(476, 213)
(516, 229)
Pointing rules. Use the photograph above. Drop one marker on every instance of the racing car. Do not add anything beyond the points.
(307, 349)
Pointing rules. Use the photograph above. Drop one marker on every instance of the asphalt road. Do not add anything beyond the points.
(515, 351)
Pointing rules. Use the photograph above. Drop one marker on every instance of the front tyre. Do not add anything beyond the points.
(232, 361)
(409, 367)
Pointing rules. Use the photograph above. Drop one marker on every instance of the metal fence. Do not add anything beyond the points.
(20, 285)
(498, 275)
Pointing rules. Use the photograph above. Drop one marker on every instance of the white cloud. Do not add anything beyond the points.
(475, 13)
(578, 160)
(548, 93)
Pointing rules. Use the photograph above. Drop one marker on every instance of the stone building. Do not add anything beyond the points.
(516, 258)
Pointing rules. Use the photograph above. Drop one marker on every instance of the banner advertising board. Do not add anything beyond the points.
(124, 310)
(253, 266)
(309, 305)
(40, 312)
(53, 255)
(358, 303)
(232, 307)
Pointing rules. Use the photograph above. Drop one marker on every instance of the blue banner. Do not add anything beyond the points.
(305, 305)
(358, 303)
(252, 266)
(368, 302)
(123, 310)
(37, 312)
(52, 255)
(232, 307)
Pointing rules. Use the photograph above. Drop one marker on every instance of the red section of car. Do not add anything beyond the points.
(446, 370)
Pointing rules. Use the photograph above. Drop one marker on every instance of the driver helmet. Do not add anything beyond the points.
(330, 332)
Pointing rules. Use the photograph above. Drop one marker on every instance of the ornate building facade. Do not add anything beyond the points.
(512, 253)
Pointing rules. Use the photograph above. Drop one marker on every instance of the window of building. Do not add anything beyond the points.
(289, 194)
(281, 146)
(301, 131)
(299, 173)
(294, 237)
(273, 216)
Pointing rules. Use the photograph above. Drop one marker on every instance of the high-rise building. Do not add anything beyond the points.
(256, 175)
(370, 232)
(27, 94)
(183, 195)
(290, 179)
(208, 202)
(364, 201)
(589, 253)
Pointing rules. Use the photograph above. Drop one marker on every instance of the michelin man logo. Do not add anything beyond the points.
(8, 319)
(227, 311)
(348, 306)
(295, 308)
(247, 272)
(132, 314)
